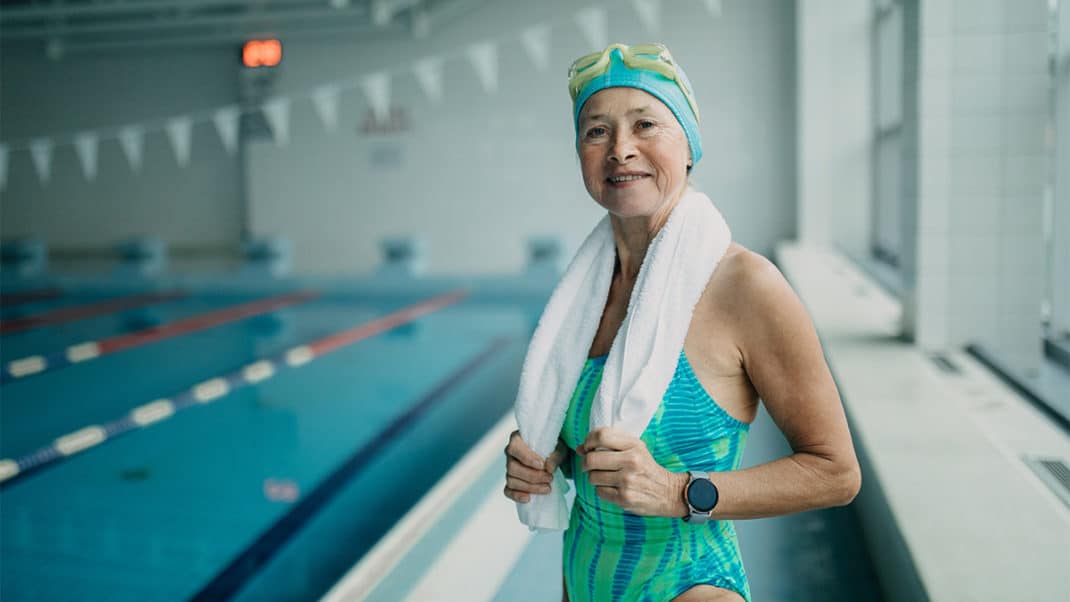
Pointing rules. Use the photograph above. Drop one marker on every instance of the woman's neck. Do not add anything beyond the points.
(632, 237)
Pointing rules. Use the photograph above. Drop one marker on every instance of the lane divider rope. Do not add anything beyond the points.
(81, 352)
(31, 296)
(12, 469)
(89, 310)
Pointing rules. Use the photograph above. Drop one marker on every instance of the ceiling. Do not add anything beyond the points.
(59, 27)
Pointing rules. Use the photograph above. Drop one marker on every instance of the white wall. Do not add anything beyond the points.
(196, 206)
(481, 173)
(834, 123)
(1060, 267)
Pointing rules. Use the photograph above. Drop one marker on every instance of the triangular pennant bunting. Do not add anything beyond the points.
(41, 153)
(536, 41)
(649, 12)
(85, 144)
(227, 121)
(592, 21)
(180, 132)
(484, 58)
(131, 139)
(428, 73)
(325, 100)
(277, 113)
(594, 25)
(377, 90)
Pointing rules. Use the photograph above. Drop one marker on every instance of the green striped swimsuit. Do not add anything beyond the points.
(612, 554)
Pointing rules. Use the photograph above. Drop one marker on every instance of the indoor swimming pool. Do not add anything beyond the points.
(213, 443)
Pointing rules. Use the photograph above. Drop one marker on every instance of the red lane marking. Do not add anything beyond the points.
(188, 325)
(42, 294)
(329, 344)
(81, 312)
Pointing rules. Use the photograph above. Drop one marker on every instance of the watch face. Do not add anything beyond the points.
(702, 495)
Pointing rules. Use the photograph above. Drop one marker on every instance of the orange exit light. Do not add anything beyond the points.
(261, 53)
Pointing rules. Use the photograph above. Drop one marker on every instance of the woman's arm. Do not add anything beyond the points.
(782, 356)
(784, 361)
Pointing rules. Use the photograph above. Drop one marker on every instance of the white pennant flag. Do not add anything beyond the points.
(377, 89)
(227, 120)
(41, 153)
(85, 144)
(180, 132)
(715, 7)
(536, 41)
(277, 112)
(650, 14)
(3, 166)
(325, 100)
(131, 139)
(595, 27)
(428, 72)
(484, 58)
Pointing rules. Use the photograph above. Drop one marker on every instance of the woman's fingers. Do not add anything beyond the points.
(525, 471)
(518, 470)
(517, 496)
(611, 439)
(526, 487)
(520, 450)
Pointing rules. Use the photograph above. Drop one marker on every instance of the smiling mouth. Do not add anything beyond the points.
(625, 179)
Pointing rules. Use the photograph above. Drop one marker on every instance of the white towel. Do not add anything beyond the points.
(644, 353)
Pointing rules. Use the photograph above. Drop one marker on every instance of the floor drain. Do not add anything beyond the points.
(1054, 472)
(944, 363)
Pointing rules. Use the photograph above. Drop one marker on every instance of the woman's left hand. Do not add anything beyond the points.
(622, 470)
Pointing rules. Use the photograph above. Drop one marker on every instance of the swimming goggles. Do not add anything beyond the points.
(648, 57)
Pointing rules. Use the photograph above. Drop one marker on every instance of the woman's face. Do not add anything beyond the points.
(633, 152)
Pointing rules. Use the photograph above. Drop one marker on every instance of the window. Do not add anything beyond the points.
(1057, 197)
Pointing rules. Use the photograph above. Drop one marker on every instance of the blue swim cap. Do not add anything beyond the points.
(618, 75)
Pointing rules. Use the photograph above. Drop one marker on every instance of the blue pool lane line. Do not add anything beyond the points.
(210, 390)
(247, 564)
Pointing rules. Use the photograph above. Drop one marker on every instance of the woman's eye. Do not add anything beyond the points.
(595, 132)
(643, 125)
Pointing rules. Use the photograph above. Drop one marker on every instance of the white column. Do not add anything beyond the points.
(834, 131)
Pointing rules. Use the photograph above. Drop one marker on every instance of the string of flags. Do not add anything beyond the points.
(592, 21)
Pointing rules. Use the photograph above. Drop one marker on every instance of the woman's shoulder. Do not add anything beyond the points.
(742, 267)
(745, 281)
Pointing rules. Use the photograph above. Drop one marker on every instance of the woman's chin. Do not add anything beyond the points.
(628, 206)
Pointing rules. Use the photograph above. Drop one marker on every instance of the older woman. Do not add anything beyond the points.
(652, 518)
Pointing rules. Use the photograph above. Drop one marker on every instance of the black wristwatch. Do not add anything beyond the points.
(701, 497)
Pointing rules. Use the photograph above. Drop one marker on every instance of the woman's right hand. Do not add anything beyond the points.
(526, 472)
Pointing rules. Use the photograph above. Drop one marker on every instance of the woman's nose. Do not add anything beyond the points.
(622, 148)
